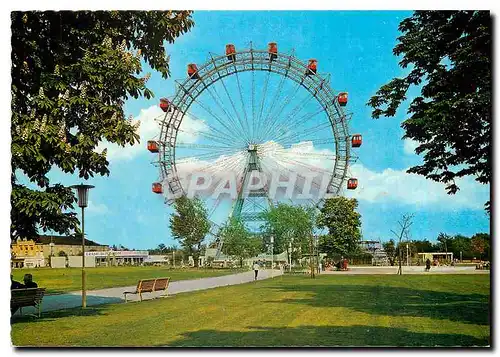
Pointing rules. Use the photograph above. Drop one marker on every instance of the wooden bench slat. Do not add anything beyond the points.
(161, 284)
(26, 297)
(149, 286)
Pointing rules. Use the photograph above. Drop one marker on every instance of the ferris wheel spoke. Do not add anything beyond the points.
(253, 103)
(210, 136)
(305, 165)
(279, 166)
(272, 105)
(244, 133)
(275, 114)
(300, 133)
(214, 133)
(203, 146)
(306, 133)
(229, 165)
(295, 111)
(242, 103)
(305, 154)
(240, 132)
(258, 124)
(298, 122)
(218, 166)
(208, 155)
(230, 133)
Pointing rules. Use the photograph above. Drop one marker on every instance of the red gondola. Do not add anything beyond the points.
(152, 146)
(157, 188)
(342, 98)
(273, 50)
(356, 140)
(352, 183)
(312, 67)
(231, 52)
(164, 104)
(193, 71)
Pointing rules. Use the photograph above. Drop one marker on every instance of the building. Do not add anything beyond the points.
(438, 257)
(26, 253)
(224, 260)
(118, 257)
(63, 245)
(157, 260)
(29, 253)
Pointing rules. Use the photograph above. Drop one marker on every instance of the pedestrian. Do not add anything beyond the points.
(28, 281)
(256, 269)
(15, 284)
(338, 266)
(427, 264)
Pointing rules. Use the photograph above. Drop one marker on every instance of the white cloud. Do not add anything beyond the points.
(150, 129)
(387, 186)
(410, 146)
(397, 186)
(99, 208)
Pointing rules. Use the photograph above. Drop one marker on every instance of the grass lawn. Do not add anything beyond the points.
(70, 279)
(332, 310)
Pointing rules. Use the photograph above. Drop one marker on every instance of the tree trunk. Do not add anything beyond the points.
(400, 271)
(289, 260)
(311, 260)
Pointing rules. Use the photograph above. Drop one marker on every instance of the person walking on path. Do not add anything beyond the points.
(256, 269)
(427, 264)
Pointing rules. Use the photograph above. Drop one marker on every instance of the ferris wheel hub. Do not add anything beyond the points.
(252, 148)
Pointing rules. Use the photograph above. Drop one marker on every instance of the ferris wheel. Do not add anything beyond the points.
(250, 129)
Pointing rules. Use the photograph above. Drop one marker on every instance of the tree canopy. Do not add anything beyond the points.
(289, 225)
(189, 225)
(71, 73)
(339, 216)
(238, 241)
(480, 245)
(448, 54)
(390, 250)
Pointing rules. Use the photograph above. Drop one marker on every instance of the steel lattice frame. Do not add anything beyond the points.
(252, 60)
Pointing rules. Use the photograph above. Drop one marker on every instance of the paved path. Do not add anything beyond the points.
(115, 295)
(409, 270)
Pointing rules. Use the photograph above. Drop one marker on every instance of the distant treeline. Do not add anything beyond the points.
(477, 246)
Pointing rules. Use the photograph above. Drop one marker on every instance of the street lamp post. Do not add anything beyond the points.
(407, 256)
(83, 195)
(51, 244)
(272, 255)
(290, 257)
(316, 254)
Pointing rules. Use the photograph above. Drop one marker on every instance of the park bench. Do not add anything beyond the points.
(149, 286)
(20, 298)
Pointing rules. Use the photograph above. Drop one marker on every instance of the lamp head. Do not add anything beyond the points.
(83, 194)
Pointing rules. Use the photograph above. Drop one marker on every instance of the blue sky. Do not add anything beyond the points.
(355, 47)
